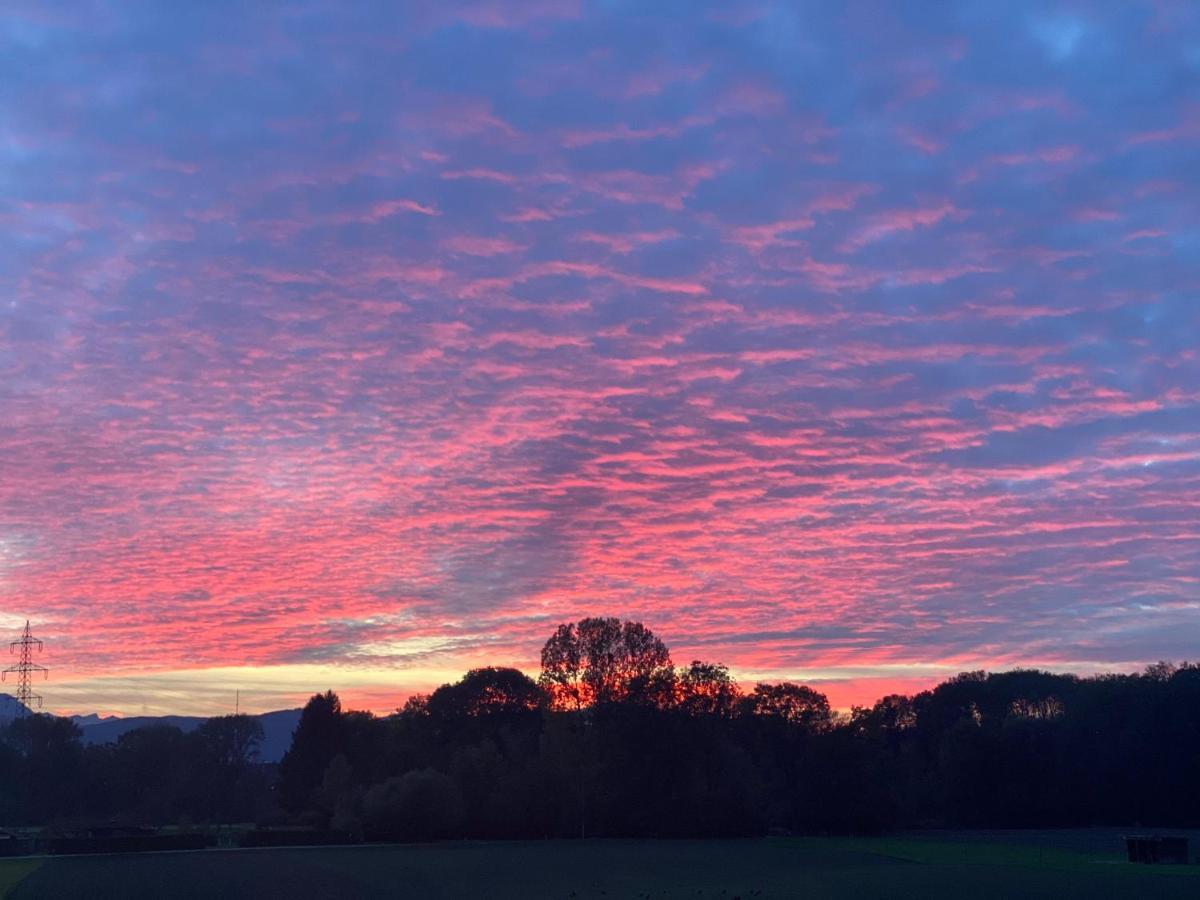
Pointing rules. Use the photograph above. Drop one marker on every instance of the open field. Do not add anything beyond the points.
(13, 872)
(774, 868)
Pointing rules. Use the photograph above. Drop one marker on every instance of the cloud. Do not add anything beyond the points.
(355, 350)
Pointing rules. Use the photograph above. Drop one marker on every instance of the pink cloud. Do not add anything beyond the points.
(474, 245)
(880, 225)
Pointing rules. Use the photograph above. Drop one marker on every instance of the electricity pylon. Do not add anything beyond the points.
(24, 669)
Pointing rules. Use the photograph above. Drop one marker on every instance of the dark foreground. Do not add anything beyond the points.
(775, 868)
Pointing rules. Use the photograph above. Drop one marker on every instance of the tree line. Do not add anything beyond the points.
(613, 739)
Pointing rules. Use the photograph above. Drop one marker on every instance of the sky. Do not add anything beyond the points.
(353, 345)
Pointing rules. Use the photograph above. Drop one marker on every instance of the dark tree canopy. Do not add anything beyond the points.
(795, 704)
(890, 714)
(562, 669)
(708, 689)
(317, 739)
(231, 741)
(603, 660)
(614, 741)
(486, 691)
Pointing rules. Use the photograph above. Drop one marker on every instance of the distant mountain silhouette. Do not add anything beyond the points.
(277, 728)
(10, 707)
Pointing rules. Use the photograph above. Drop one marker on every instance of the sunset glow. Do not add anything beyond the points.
(837, 344)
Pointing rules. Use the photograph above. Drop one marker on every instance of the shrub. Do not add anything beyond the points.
(420, 805)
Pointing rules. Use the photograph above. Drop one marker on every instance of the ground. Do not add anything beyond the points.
(13, 872)
(928, 866)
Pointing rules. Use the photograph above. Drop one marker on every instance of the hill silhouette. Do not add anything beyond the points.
(11, 707)
(277, 729)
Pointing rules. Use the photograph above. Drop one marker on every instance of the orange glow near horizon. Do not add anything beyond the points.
(208, 692)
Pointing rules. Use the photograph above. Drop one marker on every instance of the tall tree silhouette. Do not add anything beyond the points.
(601, 660)
(562, 669)
(318, 738)
(707, 689)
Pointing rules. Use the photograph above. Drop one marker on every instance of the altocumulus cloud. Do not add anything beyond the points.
(850, 344)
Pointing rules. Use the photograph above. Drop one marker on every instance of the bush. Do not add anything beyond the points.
(420, 805)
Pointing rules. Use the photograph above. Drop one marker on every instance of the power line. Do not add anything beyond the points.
(24, 668)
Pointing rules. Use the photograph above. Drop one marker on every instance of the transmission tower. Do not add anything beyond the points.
(24, 669)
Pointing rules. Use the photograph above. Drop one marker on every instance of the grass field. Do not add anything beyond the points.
(699, 870)
(13, 872)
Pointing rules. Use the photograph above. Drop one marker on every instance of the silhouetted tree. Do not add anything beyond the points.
(50, 773)
(422, 804)
(487, 691)
(599, 660)
(153, 770)
(563, 666)
(795, 704)
(319, 737)
(707, 689)
(231, 742)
